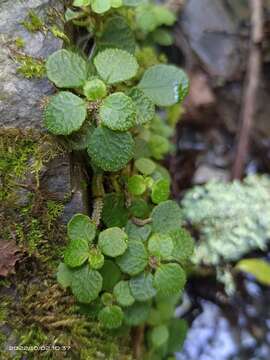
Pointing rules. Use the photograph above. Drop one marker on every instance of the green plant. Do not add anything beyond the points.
(127, 261)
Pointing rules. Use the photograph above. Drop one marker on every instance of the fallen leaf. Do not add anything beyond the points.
(9, 255)
(259, 268)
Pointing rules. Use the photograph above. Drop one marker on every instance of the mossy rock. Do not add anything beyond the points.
(34, 310)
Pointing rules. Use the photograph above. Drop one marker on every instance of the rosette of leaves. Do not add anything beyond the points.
(128, 268)
(110, 144)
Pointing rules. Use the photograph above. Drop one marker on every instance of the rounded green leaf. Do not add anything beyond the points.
(150, 16)
(86, 284)
(110, 150)
(145, 109)
(117, 34)
(160, 191)
(134, 260)
(159, 335)
(161, 173)
(163, 37)
(113, 242)
(96, 259)
(76, 253)
(122, 294)
(115, 65)
(142, 287)
(132, 3)
(160, 245)
(137, 313)
(164, 84)
(117, 112)
(100, 6)
(139, 208)
(160, 127)
(114, 211)
(136, 185)
(135, 232)
(111, 274)
(116, 3)
(65, 113)
(169, 213)
(107, 299)
(145, 166)
(81, 3)
(178, 329)
(94, 89)
(141, 148)
(159, 146)
(64, 275)
(81, 227)
(183, 244)
(169, 279)
(149, 182)
(66, 69)
(111, 317)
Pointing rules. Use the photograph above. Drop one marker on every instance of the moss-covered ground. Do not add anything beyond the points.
(34, 310)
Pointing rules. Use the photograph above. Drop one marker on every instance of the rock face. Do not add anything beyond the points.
(20, 97)
(216, 41)
(210, 30)
(64, 178)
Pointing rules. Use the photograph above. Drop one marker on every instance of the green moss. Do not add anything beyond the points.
(19, 42)
(59, 33)
(37, 311)
(22, 156)
(30, 67)
(33, 22)
(54, 210)
(3, 311)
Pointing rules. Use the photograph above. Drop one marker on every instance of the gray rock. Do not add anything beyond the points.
(64, 179)
(210, 29)
(20, 98)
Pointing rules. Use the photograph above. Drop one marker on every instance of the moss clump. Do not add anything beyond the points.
(22, 156)
(34, 310)
(19, 42)
(33, 22)
(58, 33)
(30, 67)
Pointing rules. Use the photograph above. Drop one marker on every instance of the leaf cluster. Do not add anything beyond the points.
(127, 261)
